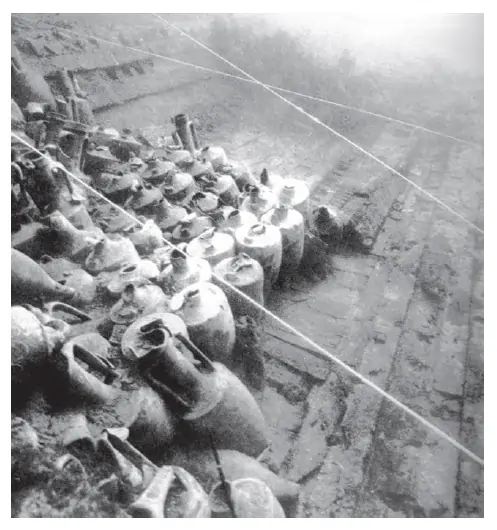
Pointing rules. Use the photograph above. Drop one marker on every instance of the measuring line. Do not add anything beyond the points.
(319, 122)
(245, 80)
(320, 351)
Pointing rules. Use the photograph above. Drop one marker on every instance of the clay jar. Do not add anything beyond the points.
(168, 215)
(99, 160)
(117, 187)
(246, 275)
(263, 243)
(173, 493)
(73, 381)
(138, 298)
(146, 238)
(295, 194)
(144, 199)
(157, 171)
(236, 465)
(241, 174)
(105, 135)
(71, 276)
(57, 268)
(205, 202)
(235, 220)
(183, 271)
(215, 155)
(258, 200)
(272, 181)
(178, 156)
(29, 281)
(179, 188)
(223, 186)
(129, 273)
(150, 421)
(35, 334)
(134, 348)
(125, 146)
(190, 227)
(73, 243)
(213, 404)
(212, 246)
(291, 225)
(208, 317)
(50, 187)
(110, 254)
(185, 134)
(199, 167)
(31, 341)
(250, 497)
(84, 284)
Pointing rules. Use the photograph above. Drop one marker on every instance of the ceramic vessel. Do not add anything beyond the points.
(258, 200)
(182, 271)
(224, 186)
(168, 215)
(236, 465)
(110, 254)
(129, 273)
(71, 242)
(206, 312)
(250, 498)
(74, 382)
(190, 227)
(205, 202)
(146, 238)
(247, 276)
(234, 220)
(271, 180)
(216, 156)
(212, 246)
(118, 187)
(213, 404)
(263, 243)
(291, 225)
(185, 134)
(295, 194)
(179, 188)
(99, 160)
(29, 281)
(138, 299)
(31, 341)
(158, 170)
(133, 348)
(144, 199)
(173, 493)
(151, 423)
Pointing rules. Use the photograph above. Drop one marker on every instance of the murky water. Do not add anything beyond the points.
(456, 39)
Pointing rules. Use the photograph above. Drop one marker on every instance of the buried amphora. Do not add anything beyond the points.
(208, 317)
(213, 404)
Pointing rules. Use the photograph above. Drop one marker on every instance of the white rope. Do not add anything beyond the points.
(320, 351)
(279, 89)
(319, 122)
